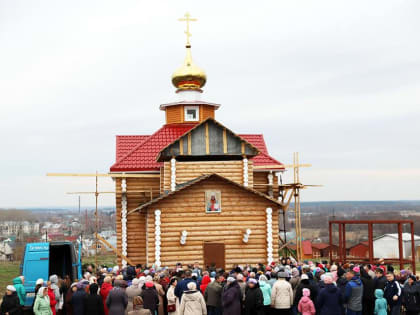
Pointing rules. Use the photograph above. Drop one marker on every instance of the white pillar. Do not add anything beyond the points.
(157, 238)
(270, 178)
(124, 220)
(245, 162)
(269, 212)
(173, 174)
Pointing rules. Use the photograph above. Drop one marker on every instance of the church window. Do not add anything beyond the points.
(191, 113)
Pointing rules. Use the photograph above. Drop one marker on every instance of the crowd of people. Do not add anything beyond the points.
(288, 287)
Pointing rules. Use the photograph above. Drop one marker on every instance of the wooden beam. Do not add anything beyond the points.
(225, 148)
(119, 175)
(189, 143)
(181, 146)
(243, 147)
(115, 250)
(207, 139)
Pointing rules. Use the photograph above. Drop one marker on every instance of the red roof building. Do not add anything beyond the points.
(359, 250)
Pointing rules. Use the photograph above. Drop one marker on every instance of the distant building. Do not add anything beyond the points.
(386, 246)
(312, 250)
(6, 251)
(359, 250)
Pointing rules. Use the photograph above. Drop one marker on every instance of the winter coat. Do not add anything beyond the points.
(304, 284)
(368, 286)
(131, 293)
(306, 306)
(254, 301)
(411, 297)
(93, 304)
(172, 300)
(161, 295)
(380, 283)
(42, 304)
(182, 286)
(10, 304)
(231, 299)
(53, 301)
(353, 294)
(20, 290)
(105, 289)
(56, 289)
(213, 294)
(330, 301)
(282, 295)
(139, 310)
(78, 302)
(67, 301)
(294, 282)
(392, 288)
(266, 291)
(192, 303)
(150, 298)
(204, 283)
(116, 301)
(380, 303)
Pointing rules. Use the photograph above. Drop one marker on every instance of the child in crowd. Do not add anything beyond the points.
(306, 306)
(380, 303)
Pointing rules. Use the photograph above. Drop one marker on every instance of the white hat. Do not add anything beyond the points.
(230, 279)
(304, 277)
(39, 281)
(11, 288)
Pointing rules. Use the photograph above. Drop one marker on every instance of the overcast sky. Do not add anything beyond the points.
(338, 81)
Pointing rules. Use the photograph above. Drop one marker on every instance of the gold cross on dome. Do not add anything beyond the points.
(187, 18)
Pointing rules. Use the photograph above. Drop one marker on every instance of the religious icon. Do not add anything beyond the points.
(213, 201)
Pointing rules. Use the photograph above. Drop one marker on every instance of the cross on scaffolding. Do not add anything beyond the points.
(187, 18)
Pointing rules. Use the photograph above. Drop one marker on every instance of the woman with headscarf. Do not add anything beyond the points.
(192, 302)
(161, 294)
(231, 297)
(10, 304)
(93, 302)
(117, 299)
(266, 292)
(330, 300)
(105, 289)
(132, 291)
(42, 302)
(150, 297)
(138, 307)
(52, 296)
(67, 299)
(254, 301)
(411, 296)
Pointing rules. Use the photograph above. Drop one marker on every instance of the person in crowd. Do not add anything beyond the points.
(231, 297)
(117, 299)
(368, 300)
(242, 283)
(197, 269)
(380, 280)
(161, 294)
(213, 296)
(204, 283)
(105, 289)
(138, 307)
(295, 279)
(266, 292)
(51, 295)
(282, 294)
(56, 290)
(10, 304)
(181, 287)
(38, 284)
(254, 301)
(353, 294)
(64, 286)
(132, 291)
(78, 299)
(173, 301)
(93, 302)
(306, 305)
(18, 283)
(150, 297)
(411, 296)
(381, 306)
(330, 300)
(304, 284)
(67, 299)
(42, 303)
(392, 294)
(192, 302)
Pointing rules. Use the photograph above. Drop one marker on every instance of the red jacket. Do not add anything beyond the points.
(204, 283)
(106, 287)
(53, 301)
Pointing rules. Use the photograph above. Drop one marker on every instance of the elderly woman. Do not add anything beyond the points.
(132, 291)
(105, 289)
(192, 302)
(173, 301)
(117, 299)
(42, 303)
(10, 304)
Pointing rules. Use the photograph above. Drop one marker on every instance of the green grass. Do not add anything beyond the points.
(8, 271)
(108, 260)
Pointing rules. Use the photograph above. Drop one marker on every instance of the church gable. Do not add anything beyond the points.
(211, 139)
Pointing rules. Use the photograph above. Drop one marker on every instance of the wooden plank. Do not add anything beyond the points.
(116, 251)
(225, 148)
(181, 146)
(189, 143)
(243, 147)
(207, 139)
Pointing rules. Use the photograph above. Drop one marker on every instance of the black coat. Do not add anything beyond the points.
(254, 301)
(411, 297)
(78, 302)
(94, 305)
(150, 299)
(10, 304)
(231, 299)
(330, 301)
(305, 284)
(380, 283)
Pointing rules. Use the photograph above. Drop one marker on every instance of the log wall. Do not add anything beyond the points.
(261, 181)
(186, 211)
(186, 171)
(175, 114)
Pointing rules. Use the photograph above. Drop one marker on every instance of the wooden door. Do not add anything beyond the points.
(214, 255)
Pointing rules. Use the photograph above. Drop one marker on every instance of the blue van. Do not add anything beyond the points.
(41, 260)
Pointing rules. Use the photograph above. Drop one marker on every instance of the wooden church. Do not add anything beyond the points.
(201, 193)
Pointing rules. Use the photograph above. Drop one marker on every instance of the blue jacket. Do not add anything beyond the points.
(78, 302)
(181, 287)
(20, 290)
(330, 301)
(353, 294)
(392, 288)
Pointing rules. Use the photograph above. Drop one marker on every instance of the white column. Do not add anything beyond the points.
(269, 212)
(270, 178)
(245, 162)
(124, 220)
(173, 174)
(157, 238)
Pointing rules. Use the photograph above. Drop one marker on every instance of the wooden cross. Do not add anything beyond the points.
(187, 18)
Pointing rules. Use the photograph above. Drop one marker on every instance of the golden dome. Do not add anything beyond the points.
(189, 76)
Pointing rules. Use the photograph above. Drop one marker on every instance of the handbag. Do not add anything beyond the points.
(171, 308)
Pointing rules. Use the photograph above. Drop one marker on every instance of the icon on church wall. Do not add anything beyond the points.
(213, 201)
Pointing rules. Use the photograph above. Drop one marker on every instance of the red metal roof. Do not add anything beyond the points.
(307, 247)
(139, 152)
